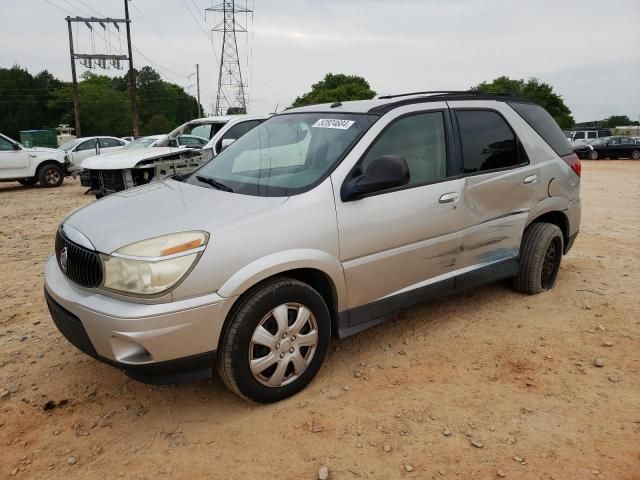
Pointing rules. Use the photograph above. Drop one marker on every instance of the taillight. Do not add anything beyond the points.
(574, 162)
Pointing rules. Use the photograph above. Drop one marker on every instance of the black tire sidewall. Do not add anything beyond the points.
(541, 251)
(42, 176)
(250, 315)
(594, 152)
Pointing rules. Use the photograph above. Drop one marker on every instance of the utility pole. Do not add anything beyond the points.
(198, 89)
(230, 74)
(76, 100)
(132, 73)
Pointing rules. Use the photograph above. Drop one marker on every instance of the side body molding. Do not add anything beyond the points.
(273, 264)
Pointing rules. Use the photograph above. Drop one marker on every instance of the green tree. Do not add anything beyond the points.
(617, 121)
(336, 88)
(156, 125)
(539, 92)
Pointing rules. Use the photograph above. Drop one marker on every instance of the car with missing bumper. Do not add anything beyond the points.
(137, 165)
(320, 222)
(31, 165)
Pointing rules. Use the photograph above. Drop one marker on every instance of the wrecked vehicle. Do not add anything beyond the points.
(132, 167)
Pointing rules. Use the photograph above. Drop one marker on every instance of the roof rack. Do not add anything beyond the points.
(446, 92)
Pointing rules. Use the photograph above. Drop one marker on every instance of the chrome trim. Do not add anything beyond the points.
(76, 236)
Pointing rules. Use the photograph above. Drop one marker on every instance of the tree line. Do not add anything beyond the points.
(42, 101)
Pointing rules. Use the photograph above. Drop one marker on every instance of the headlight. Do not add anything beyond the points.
(153, 266)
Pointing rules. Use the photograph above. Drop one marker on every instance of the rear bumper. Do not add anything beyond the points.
(574, 215)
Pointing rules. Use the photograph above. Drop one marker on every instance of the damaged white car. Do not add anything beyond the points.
(169, 156)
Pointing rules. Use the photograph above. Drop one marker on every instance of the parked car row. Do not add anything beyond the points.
(610, 147)
(318, 222)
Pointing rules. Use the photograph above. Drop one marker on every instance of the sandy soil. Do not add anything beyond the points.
(513, 374)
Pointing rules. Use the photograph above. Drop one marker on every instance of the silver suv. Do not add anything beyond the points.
(321, 222)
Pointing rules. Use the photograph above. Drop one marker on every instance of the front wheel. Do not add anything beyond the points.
(275, 341)
(51, 175)
(593, 155)
(540, 256)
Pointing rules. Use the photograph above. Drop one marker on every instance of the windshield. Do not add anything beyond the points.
(600, 141)
(285, 155)
(143, 142)
(69, 145)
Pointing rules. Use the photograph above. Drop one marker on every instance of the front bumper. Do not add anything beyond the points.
(157, 343)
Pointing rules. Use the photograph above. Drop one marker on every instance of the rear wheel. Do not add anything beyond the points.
(540, 256)
(593, 155)
(635, 155)
(275, 341)
(50, 175)
(28, 182)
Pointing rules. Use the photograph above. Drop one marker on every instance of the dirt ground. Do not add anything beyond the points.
(512, 374)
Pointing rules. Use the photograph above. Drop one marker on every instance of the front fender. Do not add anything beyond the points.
(276, 263)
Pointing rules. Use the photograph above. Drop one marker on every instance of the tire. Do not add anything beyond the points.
(540, 256)
(50, 175)
(241, 339)
(593, 155)
(635, 155)
(28, 182)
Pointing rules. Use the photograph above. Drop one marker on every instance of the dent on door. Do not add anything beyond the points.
(496, 207)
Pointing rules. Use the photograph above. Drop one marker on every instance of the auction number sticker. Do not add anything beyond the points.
(333, 123)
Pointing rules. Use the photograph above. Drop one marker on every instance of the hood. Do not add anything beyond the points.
(161, 208)
(45, 150)
(122, 159)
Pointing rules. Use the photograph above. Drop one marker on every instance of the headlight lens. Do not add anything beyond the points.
(153, 266)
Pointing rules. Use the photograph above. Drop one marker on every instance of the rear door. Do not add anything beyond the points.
(13, 163)
(398, 242)
(501, 185)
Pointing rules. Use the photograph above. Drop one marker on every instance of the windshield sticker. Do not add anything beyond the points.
(333, 123)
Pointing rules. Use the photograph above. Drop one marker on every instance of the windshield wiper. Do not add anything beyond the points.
(214, 183)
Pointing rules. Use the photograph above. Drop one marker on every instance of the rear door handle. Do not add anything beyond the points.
(449, 198)
(530, 179)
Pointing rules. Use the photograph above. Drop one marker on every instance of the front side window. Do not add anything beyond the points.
(592, 134)
(579, 136)
(487, 141)
(285, 155)
(5, 144)
(419, 139)
(88, 145)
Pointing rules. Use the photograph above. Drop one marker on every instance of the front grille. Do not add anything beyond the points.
(81, 266)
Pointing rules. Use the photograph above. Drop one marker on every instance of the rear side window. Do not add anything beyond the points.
(545, 126)
(110, 142)
(487, 141)
(592, 134)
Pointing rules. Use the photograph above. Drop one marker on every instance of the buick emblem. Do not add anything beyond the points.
(63, 260)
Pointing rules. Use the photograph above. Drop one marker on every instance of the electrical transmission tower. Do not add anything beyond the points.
(231, 97)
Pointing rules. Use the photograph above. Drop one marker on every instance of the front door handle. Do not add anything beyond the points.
(530, 179)
(449, 198)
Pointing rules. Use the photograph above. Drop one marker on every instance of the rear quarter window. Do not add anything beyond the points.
(544, 125)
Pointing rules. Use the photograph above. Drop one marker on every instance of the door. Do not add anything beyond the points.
(624, 146)
(14, 163)
(84, 150)
(110, 145)
(500, 187)
(397, 244)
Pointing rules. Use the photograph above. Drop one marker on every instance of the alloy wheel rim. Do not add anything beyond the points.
(635, 155)
(52, 176)
(551, 264)
(283, 345)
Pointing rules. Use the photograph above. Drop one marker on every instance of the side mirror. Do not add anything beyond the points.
(383, 173)
(16, 146)
(226, 142)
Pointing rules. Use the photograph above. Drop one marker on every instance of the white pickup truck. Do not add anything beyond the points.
(32, 165)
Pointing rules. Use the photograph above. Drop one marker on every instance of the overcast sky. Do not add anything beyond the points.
(589, 51)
